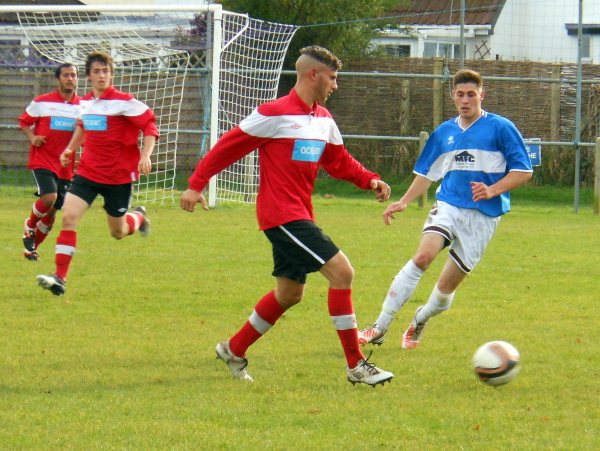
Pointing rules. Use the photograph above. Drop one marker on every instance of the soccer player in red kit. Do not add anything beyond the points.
(111, 161)
(49, 122)
(295, 135)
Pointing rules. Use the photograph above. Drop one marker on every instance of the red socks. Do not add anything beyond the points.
(65, 248)
(264, 316)
(37, 212)
(268, 311)
(344, 320)
(134, 221)
(43, 229)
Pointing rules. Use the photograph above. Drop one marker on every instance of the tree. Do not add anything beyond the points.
(345, 27)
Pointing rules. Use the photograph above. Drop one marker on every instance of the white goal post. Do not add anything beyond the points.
(151, 46)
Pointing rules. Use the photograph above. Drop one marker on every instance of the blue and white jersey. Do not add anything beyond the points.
(484, 152)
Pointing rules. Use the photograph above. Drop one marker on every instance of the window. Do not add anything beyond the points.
(397, 51)
(586, 46)
(441, 50)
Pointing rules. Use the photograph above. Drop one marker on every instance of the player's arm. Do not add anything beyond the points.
(381, 189)
(145, 165)
(35, 140)
(232, 146)
(417, 188)
(29, 119)
(68, 155)
(513, 179)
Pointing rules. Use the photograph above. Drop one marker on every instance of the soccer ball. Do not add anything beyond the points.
(496, 362)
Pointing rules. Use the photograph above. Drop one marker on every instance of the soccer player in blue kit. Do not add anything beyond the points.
(480, 157)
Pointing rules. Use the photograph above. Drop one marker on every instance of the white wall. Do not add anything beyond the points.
(535, 30)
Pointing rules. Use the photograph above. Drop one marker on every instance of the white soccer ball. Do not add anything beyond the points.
(496, 362)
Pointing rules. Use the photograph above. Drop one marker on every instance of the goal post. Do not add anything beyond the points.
(153, 47)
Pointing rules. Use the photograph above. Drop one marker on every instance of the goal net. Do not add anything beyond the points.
(236, 59)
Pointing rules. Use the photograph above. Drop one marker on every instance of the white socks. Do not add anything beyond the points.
(400, 291)
(438, 302)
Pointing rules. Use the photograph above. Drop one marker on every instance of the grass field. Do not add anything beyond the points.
(125, 360)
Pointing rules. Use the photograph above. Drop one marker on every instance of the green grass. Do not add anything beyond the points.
(125, 360)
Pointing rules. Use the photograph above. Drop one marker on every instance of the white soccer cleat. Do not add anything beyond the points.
(51, 282)
(144, 228)
(237, 365)
(372, 334)
(412, 336)
(368, 373)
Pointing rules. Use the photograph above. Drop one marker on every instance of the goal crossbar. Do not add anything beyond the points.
(108, 8)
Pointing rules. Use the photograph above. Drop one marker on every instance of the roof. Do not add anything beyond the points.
(447, 12)
(12, 17)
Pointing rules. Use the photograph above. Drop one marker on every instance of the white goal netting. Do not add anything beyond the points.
(250, 66)
(154, 73)
(238, 59)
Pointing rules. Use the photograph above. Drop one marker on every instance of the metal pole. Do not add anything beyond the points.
(578, 110)
(214, 100)
(462, 34)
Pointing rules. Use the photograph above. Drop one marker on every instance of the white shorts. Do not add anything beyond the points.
(466, 230)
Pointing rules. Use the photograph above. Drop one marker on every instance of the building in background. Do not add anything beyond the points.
(523, 30)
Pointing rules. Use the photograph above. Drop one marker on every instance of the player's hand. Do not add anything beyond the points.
(396, 207)
(144, 166)
(482, 192)
(381, 189)
(66, 157)
(190, 198)
(38, 140)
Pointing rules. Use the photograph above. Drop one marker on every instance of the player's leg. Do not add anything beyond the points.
(437, 233)
(403, 286)
(264, 316)
(290, 275)
(46, 223)
(47, 188)
(340, 273)
(43, 228)
(439, 301)
(76, 203)
(122, 223)
(66, 243)
(472, 235)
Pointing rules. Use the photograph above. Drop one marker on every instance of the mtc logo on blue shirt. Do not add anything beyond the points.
(94, 122)
(66, 124)
(308, 150)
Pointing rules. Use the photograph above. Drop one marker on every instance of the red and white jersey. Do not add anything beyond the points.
(112, 124)
(293, 140)
(55, 118)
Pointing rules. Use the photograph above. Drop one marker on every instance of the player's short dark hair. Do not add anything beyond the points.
(468, 76)
(322, 55)
(59, 69)
(99, 57)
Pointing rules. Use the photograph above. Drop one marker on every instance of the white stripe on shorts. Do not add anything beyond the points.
(299, 243)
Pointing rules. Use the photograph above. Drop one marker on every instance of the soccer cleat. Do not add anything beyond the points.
(55, 284)
(237, 365)
(145, 225)
(372, 334)
(412, 337)
(367, 373)
(28, 240)
(33, 255)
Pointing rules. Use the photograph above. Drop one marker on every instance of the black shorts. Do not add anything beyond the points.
(299, 248)
(117, 198)
(48, 182)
